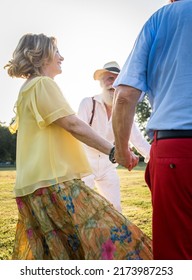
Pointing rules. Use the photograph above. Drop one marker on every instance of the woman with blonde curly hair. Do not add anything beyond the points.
(59, 216)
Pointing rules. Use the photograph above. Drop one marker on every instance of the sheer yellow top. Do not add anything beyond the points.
(46, 153)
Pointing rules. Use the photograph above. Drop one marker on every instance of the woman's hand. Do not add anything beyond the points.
(127, 159)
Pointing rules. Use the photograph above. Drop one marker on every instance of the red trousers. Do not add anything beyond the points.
(169, 177)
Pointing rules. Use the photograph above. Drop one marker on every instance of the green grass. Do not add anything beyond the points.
(8, 213)
(135, 195)
(136, 198)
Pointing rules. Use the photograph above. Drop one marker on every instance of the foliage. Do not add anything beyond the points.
(143, 112)
(7, 145)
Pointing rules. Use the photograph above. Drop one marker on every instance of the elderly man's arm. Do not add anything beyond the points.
(122, 118)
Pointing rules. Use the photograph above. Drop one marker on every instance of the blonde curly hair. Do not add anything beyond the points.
(31, 54)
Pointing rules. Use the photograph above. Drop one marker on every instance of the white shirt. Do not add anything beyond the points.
(103, 126)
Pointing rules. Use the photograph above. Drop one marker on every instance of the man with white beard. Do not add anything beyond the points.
(96, 111)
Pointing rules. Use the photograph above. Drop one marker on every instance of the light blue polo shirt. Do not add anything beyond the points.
(161, 65)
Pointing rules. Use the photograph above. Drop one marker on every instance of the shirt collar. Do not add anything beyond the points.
(98, 98)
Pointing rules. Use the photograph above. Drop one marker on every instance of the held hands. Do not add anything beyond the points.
(132, 161)
(128, 159)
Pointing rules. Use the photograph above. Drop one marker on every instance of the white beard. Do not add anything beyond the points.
(107, 97)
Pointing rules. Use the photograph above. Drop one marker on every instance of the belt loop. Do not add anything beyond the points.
(155, 136)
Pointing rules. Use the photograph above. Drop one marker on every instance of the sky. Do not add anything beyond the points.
(89, 34)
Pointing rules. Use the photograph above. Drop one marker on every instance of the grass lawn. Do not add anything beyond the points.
(8, 213)
(136, 197)
(136, 204)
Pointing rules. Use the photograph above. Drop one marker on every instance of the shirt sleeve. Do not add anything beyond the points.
(139, 142)
(134, 71)
(48, 103)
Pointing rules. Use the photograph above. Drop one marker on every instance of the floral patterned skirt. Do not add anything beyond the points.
(71, 221)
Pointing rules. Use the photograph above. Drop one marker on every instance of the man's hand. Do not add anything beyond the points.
(129, 160)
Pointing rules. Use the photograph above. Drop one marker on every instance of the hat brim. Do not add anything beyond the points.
(99, 72)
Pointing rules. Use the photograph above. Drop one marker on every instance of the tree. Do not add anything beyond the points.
(7, 145)
(143, 112)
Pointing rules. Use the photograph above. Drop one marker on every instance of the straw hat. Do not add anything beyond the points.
(111, 67)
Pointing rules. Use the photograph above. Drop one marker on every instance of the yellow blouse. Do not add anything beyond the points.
(46, 153)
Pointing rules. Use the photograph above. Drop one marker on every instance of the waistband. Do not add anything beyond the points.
(167, 134)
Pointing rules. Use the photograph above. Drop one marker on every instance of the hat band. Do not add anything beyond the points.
(114, 69)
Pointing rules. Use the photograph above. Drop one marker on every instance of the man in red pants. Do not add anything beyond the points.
(160, 64)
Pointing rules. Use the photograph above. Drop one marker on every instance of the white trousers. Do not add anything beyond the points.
(107, 183)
